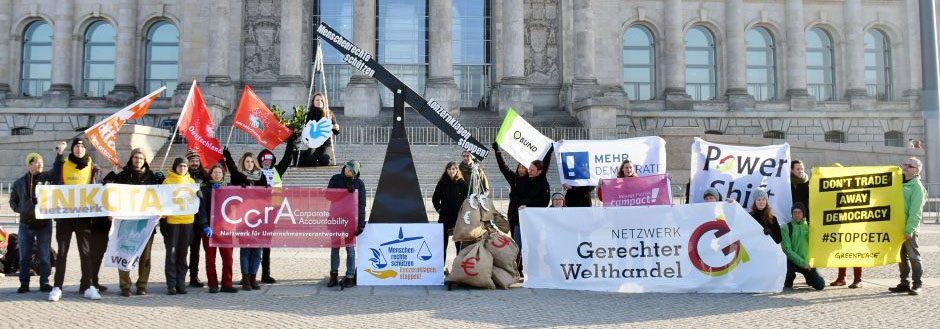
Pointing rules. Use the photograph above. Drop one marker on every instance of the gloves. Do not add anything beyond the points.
(207, 231)
(160, 176)
(495, 146)
(359, 230)
(226, 153)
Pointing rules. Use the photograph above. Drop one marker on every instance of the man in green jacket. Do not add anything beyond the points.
(795, 239)
(915, 196)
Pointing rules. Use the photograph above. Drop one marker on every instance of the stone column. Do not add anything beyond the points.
(513, 90)
(441, 86)
(361, 98)
(796, 57)
(855, 55)
(675, 95)
(738, 98)
(61, 89)
(219, 45)
(6, 21)
(585, 80)
(290, 89)
(125, 58)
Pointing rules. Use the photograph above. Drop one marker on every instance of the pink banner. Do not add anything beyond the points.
(635, 191)
(283, 217)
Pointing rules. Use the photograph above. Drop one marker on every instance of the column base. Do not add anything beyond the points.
(121, 95)
(361, 98)
(444, 91)
(739, 99)
(801, 100)
(513, 92)
(677, 99)
(58, 95)
(859, 100)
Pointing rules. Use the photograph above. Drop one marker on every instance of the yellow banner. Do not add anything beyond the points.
(116, 200)
(856, 216)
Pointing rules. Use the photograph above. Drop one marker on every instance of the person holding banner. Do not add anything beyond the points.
(76, 169)
(272, 178)
(23, 202)
(136, 172)
(915, 196)
(348, 179)
(513, 178)
(216, 178)
(799, 183)
(198, 173)
(322, 155)
(177, 234)
(627, 170)
(535, 192)
(795, 242)
(245, 174)
(449, 195)
(761, 212)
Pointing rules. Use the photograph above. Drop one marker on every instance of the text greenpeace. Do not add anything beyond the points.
(288, 217)
(400, 255)
(115, 200)
(736, 171)
(127, 240)
(583, 163)
(636, 191)
(708, 247)
(856, 217)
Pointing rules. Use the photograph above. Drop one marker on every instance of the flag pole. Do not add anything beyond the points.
(232, 130)
(177, 128)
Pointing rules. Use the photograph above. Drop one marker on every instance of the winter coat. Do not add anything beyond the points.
(237, 177)
(772, 229)
(173, 178)
(515, 199)
(915, 196)
(205, 208)
(799, 191)
(316, 113)
(579, 196)
(447, 199)
(795, 242)
(23, 198)
(466, 170)
(352, 184)
(535, 191)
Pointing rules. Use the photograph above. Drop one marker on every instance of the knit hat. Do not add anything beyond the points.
(191, 154)
(758, 193)
(353, 167)
(177, 162)
(558, 195)
(801, 206)
(32, 157)
(713, 192)
(266, 155)
(76, 141)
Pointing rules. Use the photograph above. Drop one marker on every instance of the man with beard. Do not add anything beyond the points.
(198, 174)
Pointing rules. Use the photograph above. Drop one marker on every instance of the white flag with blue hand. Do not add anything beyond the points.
(316, 133)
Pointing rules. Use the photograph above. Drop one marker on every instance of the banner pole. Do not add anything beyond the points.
(231, 130)
(177, 128)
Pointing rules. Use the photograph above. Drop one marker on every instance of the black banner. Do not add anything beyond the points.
(433, 111)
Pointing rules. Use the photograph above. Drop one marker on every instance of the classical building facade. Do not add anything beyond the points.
(820, 70)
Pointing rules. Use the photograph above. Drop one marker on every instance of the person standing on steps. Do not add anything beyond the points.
(136, 172)
(915, 196)
(272, 175)
(449, 195)
(177, 234)
(23, 202)
(246, 173)
(216, 178)
(348, 179)
(198, 173)
(322, 155)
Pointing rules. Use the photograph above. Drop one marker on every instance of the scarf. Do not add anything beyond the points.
(80, 163)
(252, 175)
(796, 180)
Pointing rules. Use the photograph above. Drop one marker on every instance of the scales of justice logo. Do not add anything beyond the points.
(398, 253)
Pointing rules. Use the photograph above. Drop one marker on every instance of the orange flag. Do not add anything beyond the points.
(102, 134)
(256, 119)
(196, 127)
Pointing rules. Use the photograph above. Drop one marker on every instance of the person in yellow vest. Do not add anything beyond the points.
(76, 169)
(271, 174)
(177, 234)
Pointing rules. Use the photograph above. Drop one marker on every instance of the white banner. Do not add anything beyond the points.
(737, 170)
(706, 247)
(400, 255)
(583, 163)
(520, 140)
(116, 200)
(127, 241)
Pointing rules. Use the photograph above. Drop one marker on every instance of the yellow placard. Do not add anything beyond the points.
(115, 200)
(856, 216)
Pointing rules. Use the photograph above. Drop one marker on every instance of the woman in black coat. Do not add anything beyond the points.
(513, 178)
(323, 155)
(449, 195)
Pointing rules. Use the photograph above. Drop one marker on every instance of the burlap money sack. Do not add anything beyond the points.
(503, 279)
(469, 225)
(473, 267)
(504, 250)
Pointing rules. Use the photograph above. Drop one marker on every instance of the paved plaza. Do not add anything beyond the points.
(301, 299)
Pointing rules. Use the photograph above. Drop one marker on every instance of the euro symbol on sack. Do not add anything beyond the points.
(468, 264)
(503, 242)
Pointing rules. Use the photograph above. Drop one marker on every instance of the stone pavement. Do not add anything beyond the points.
(301, 299)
